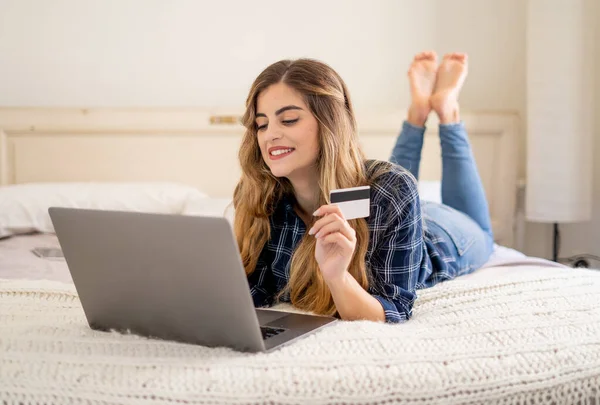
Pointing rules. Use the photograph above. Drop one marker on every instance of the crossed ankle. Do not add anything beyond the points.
(448, 114)
(452, 117)
(418, 117)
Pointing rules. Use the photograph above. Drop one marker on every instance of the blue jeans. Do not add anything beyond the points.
(463, 218)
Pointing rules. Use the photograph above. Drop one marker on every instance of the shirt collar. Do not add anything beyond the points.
(287, 204)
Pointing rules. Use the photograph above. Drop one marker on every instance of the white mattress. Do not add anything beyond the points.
(519, 330)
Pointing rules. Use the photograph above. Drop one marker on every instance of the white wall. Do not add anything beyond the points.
(492, 32)
(201, 53)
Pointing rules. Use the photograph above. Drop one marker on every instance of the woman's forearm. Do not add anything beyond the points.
(353, 302)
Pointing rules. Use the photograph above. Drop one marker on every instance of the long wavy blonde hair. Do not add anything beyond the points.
(340, 164)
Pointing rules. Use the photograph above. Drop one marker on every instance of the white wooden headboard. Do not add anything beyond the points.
(199, 147)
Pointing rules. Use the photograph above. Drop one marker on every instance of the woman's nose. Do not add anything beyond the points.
(272, 133)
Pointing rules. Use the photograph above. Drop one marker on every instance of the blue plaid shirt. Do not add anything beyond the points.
(401, 255)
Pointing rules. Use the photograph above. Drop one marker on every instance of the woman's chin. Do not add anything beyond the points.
(278, 169)
(278, 172)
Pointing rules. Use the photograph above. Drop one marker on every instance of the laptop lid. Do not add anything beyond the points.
(166, 276)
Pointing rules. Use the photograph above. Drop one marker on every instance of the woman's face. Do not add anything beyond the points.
(287, 132)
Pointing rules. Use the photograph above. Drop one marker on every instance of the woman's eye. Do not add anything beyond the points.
(284, 122)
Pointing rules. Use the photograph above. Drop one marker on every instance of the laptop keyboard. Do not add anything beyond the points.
(268, 332)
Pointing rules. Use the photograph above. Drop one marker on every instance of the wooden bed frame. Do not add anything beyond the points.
(199, 147)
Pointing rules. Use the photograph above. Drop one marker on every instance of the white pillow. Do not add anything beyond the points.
(223, 207)
(430, 191)
(24, 207)
(212, 207)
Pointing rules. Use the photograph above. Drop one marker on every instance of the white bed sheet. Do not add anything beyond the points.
(18, 262)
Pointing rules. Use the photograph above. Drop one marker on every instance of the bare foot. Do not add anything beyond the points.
(422, 76)
(450, 78)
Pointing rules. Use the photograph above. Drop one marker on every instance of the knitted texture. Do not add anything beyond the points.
(533, 338)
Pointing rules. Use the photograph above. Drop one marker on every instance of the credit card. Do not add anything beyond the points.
(354, 202)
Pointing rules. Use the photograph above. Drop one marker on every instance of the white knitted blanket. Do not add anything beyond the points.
(533, 337)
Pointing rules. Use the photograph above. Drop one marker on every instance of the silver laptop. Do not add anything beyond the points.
(171, 277)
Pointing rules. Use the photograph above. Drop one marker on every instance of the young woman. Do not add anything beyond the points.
(301, 142)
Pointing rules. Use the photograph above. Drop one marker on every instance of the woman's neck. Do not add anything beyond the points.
(306, 192)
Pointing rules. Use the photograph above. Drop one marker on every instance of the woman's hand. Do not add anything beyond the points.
(336, 241)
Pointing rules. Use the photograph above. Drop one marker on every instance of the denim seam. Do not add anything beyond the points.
(459, 248)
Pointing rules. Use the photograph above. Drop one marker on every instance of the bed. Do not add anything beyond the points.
(519, 330)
